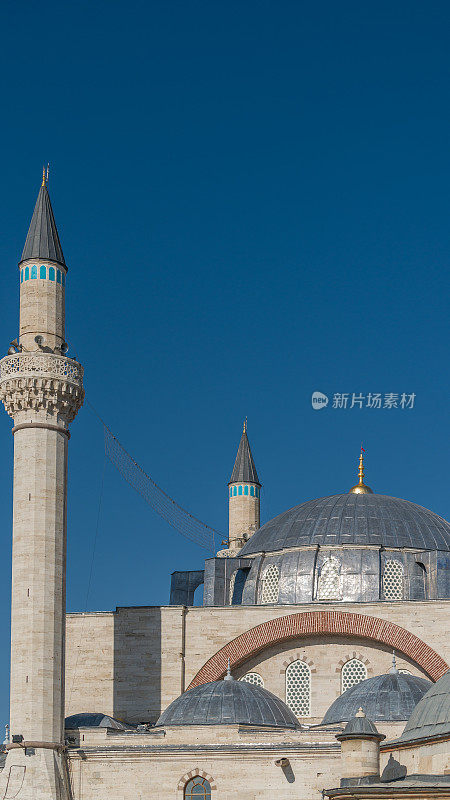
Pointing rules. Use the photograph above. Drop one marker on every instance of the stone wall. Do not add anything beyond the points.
(133, 662)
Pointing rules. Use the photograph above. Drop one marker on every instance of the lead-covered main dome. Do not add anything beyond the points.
(359, 519)
(228, 702)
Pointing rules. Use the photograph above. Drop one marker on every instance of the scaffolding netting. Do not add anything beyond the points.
(189, 526)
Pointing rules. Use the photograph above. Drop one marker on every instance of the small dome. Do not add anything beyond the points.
(89, 720)
(360, 727)
(431, 716)
(228, 702)
(384, 698)
(359, 519)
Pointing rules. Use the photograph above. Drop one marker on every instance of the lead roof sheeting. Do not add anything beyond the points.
(228, 702)
(244, 470)
(42, 240)
(388, 698)
(353, 519)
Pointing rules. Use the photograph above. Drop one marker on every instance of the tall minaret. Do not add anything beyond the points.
(42, 390)
(244, 496)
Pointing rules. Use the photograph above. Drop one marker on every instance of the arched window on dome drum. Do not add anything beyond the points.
(270, 585)
(329, 581)
(198, 789)
(393, 580)
(298, 688)
(253, 678)
(353, 672)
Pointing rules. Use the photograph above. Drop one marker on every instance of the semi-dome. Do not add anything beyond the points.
(355, 519)
(384, 698)
(93, 720)
(228, 702)
(431, 716)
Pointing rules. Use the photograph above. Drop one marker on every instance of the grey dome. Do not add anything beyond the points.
(431, 716)
(228, 702)
(92, 720)
(359, 519)
(359, 727)
(384, 698)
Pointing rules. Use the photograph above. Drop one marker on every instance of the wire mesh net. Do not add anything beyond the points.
(185, 523)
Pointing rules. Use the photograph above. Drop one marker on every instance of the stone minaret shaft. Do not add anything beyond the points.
(244, 496)
(42, 390)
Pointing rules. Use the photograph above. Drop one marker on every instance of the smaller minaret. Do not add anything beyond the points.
(244, 496)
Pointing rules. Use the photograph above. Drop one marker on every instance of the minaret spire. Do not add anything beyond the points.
(42, 242)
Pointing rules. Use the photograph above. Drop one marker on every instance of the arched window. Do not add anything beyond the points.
(405, 672)
(21, 275)
(240, 490)
(231, 491)
(58, 276)
(234, 491)
(393, 580)
(34, 271)
(329, 582)
(271, 579)
(298, 688)
(51, 273)
(252, 491)
(27, 273)
(197, 788)
(63, 279)
(245, 489)
(254, 678)
(43, 272)
(353, 672)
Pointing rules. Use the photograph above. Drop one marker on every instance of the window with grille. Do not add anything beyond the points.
(298, 688)
(197, 789)
(353, 672)
(270, 585)
(329, 583)
(254, 678)
(393, 580)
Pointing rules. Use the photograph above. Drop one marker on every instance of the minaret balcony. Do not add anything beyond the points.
(42, 381)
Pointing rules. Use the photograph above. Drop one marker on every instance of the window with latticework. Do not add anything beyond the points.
(353, 672)
(270, 585)
(393, 580)
(254, 678)
(298, 688)
(329, 583)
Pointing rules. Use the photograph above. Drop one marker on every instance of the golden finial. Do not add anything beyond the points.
(43, 176)
(245, 425)
(360, 487)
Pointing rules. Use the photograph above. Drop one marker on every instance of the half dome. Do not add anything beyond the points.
(384, 698)
(93, 720)
(355, 519)
(431, 716)
(228, 702)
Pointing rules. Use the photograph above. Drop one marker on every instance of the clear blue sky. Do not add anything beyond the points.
(253, 200)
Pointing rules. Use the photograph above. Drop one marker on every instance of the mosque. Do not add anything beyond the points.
(318, 661)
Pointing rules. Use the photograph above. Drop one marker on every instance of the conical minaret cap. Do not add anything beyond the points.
(42, 242)
(244, 470)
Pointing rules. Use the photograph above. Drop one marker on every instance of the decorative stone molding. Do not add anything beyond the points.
(193, 774)
(41, 381)
(298, 657)
(351, 656)
(322, 623)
